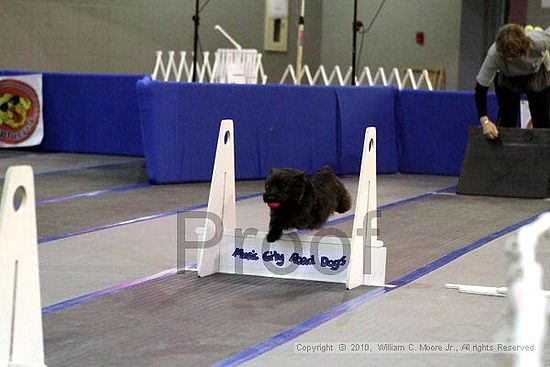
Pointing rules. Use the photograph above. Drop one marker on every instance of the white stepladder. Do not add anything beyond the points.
(21, 339)
(323, 257)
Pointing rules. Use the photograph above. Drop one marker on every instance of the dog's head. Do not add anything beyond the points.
(284, 185)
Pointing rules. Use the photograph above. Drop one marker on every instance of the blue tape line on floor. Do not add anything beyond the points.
(288, 335)
(107, 165)
(110, 165)
(134, 220)
(61, 171)
(117, 288)
(382, 207)
(91, 296)
(92, 194)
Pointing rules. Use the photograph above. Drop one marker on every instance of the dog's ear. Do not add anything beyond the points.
(302, 176)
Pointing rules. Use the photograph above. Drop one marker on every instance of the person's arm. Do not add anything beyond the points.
(484, 79)
(489, 128)
(481, 100)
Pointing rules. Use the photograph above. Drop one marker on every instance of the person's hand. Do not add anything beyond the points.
(489, 128)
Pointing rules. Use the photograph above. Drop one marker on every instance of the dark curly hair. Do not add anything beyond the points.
(512, 42)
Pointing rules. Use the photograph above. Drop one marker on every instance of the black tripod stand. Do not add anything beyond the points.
(357, 25)
(196, 20)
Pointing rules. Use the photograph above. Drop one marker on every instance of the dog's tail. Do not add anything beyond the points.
(344, 200)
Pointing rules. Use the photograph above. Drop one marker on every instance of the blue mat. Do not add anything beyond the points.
(180, 125)
(432, 129)
(90, 113)
(275, 126)
(175, 125)
(359, 107)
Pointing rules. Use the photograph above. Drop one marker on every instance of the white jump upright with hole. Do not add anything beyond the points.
(368, 254)
(221, 200)
(323, 257)
(21, 340)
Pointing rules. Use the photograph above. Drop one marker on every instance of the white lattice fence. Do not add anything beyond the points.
(230, 66)
(401, 80)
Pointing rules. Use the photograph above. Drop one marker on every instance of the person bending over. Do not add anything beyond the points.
(517, 62)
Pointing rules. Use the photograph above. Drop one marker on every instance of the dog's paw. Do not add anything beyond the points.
(272, 236)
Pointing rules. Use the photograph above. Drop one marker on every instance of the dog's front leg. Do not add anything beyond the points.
(275, 232)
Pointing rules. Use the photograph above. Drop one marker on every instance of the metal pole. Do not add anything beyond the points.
(354, 46)
(195, 40)
(299, 52)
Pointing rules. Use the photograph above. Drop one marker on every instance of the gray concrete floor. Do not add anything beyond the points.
(139, 247)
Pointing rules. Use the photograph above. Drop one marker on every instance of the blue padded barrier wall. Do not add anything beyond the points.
(432, 129)
(359, 107)
(90, 113)
(275, 126)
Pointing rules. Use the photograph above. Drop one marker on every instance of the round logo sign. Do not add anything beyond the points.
(19, 111)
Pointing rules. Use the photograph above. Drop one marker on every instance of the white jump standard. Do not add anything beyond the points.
(21, 341)
(360, 260)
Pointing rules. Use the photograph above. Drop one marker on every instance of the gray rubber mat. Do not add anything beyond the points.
(90, 212)
(83, 213)
(48, 162)
(423, 231)
(83, 264)
(62, 184)
(183, 320)
(421, 311)
(9, 153)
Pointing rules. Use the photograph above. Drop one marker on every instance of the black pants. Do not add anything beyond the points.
(508, 97)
